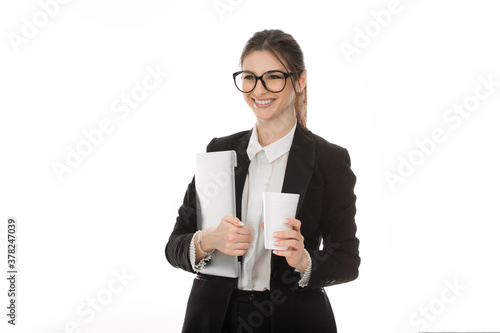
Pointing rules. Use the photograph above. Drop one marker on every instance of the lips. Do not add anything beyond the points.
(263, 103)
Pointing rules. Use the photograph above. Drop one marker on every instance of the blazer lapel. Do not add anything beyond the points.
(240, 146)
(299, 169)
(300, 164)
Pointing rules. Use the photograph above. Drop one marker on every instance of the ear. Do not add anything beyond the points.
(302, 81)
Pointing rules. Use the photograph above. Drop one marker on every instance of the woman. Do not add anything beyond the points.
(278, 291)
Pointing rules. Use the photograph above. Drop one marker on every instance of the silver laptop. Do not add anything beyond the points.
(215, 194)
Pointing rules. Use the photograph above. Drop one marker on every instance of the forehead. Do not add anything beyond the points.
(261, 61)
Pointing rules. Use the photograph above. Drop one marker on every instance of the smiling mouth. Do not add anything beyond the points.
(263, 102)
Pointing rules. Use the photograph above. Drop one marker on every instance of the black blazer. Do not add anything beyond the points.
(320, 172)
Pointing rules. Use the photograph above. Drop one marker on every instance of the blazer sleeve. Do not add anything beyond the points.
(177, 248)
(339, 259)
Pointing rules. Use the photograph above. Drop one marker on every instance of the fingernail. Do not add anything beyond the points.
(275, 234)
(276, 243)
(275, 251)
(286, 221)
(241, 223)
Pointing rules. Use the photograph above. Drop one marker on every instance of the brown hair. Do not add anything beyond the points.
(285, 47)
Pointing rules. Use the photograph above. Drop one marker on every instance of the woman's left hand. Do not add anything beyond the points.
(295, 255)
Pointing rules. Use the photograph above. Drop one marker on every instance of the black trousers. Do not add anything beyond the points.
(248, 312)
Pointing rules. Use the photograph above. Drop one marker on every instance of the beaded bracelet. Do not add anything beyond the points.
(199, 245)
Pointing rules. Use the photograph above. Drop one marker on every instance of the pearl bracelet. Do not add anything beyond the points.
(199, 245)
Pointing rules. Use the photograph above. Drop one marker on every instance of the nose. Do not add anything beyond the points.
(259, 88)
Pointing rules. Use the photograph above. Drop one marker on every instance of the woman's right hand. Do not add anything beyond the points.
(230, 236)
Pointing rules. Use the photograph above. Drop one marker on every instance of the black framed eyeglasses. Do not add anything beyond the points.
(274, 81)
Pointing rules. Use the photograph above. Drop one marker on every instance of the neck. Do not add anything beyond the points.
(271, 131)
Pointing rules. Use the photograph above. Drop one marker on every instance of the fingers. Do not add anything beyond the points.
(294, 223)
(244, 231)
(290, 243)
(233, 220)
(237, 253)
(242, 246)
(294, 233)
(288, 234)
(236, 248)
(292, 239)
(290, 221)
(231, 236)
(236, 237)
(283, 253)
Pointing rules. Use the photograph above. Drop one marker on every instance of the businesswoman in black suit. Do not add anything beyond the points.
(282, 290)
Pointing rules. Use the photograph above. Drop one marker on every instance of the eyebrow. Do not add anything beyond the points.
(271, 70)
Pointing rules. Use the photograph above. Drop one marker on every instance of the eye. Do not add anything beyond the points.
(275, 76)
(248, 77)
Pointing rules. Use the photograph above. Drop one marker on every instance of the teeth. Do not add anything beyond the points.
(263, 102)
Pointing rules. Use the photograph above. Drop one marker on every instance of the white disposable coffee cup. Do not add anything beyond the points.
(277, 207)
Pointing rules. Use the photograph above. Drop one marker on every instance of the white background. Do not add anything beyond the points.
(115, 211)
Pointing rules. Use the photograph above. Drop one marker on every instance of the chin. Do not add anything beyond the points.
(263, 114)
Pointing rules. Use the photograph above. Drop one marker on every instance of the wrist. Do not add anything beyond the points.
(205, 240)
(304, 263)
